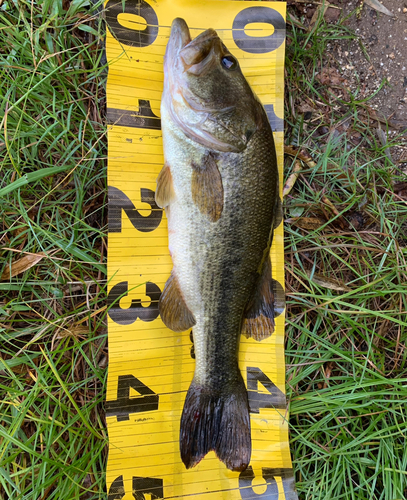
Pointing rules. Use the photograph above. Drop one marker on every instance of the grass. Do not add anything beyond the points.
(346, 355)
(345, 226)
(52, 315)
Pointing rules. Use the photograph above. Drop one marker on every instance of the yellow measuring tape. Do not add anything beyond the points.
(151, 367)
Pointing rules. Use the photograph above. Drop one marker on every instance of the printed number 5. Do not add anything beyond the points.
(268, 474)
(142, 486)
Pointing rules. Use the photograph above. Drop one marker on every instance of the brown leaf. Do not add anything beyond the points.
(319, 12)
(292, 179)
(300, 154)
(306, 222)
(21, 265)
(332, 15)
(72, 331)
(330, 77)
(335, 211)
(332, 284)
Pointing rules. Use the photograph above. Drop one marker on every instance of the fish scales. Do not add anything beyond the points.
(219, 254)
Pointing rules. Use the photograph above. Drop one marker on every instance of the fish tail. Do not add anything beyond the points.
(216, 421)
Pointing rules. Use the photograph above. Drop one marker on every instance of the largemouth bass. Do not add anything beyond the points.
(219, 190)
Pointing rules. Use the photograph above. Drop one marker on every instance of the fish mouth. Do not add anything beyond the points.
(191, 52)
(180, 35)
(179, 38)
(203, 37)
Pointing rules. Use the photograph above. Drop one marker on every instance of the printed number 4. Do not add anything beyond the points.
(124, 404)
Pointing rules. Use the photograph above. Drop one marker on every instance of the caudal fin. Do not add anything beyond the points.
(216, 421)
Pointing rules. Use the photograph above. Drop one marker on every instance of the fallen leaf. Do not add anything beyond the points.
(306, 222)
(296, 212)
(330, 77)
(332, 284)
(291, 19)
(375, 4)
(21, 265)
(335, 211)
(300, 154)
(72, 331)
(319, 12)
(332, 14)
(292, 179)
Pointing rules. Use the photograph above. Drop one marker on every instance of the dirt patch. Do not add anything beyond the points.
(372, 67)
(381, 61)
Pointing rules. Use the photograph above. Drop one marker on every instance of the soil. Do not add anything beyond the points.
(378, 57)
(385, 42)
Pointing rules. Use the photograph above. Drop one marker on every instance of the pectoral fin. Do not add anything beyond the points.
(165, 189)
(258, 322)
(207, 188)
(173, 310)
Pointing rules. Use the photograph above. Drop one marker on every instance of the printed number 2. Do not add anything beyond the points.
(119, 202)
(142, 486)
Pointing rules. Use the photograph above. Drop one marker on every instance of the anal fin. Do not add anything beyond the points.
(165, 190)
(207, 188)
(173, 310)
(258, 321)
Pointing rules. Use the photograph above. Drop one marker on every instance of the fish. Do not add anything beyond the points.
(219, 189)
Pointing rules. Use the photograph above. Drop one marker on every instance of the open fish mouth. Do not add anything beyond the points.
(203, 37)
(180, 34)
(191, 51)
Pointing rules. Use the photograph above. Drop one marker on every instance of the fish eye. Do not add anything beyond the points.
(229, 62)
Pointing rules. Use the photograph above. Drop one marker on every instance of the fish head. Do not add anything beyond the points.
(206, 92)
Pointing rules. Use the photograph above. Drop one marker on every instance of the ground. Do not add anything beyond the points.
(376, 58)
